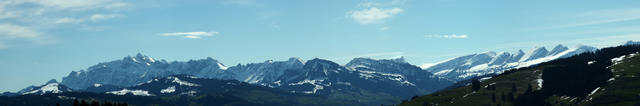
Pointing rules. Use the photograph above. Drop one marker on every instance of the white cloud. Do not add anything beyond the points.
(373, 15)
(98, 17)
(384, 28)
(376, 11)
(451, 36)
(190, 35)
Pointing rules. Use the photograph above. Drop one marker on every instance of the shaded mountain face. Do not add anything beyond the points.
(184, 90)
(413, 74)
(191, 86)
(134, 70)
(394, 78)
(265, 72)
(470, 66)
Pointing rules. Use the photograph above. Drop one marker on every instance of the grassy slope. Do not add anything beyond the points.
(624, 90)
(503, 84)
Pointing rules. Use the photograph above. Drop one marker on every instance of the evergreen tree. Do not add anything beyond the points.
(493, 97)
(95, 103)
(76, 103)
(504, 98)
(513, 88)
(529, 89)
(475, 85)
(511, 96)
(107, 104)
(83, 103)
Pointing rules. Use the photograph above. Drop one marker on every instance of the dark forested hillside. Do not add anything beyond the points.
(182, 90)
(575, 80)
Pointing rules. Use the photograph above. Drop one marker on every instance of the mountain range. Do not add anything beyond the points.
(474, 65)
(362, 81)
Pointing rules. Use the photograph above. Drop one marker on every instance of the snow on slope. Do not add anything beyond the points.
(48, 88)
(134, 92)
(464, 67)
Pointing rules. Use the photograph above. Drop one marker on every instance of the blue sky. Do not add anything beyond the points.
(45, 39)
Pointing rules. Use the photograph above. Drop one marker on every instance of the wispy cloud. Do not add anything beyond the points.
(591, 18)
(11, 34)
(449, 36)
(384, 28)
(241, 2)
(98, 17)
(29, 19)
(66, 20)
(190, 35)
(600, 42)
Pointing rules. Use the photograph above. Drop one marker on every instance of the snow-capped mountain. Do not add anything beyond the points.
(469, 66)
(52, 86)
(632, 43)
(325, 77)
(399, 67)
(293, 75)
(265, 72)
(134, 70)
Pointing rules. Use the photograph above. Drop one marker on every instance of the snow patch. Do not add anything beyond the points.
(49, 88)
(540, 81)
(618, 60)
(478, 68)
(134, 92)
(181, 82)
(97, 85)
(427, 65)
(277, 82)
(442, 72)
(190, 93)
(484, 78)
(168, 90)
(345, 83)
(591, 62)
(316, 84)
(594, 91)
(222, 66)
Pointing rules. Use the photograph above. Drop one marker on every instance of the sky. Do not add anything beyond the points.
(47, 39)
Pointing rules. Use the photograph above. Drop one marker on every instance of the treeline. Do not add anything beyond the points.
(96, 103)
